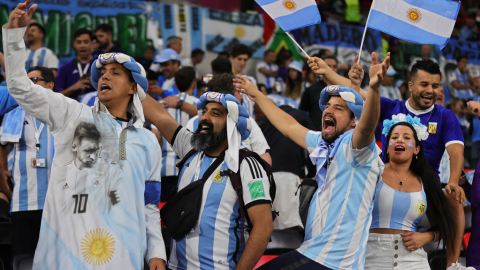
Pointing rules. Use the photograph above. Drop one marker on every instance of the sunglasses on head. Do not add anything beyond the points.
(37, 79)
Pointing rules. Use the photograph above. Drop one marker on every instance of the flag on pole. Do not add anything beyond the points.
(419, 21)
(291, 14)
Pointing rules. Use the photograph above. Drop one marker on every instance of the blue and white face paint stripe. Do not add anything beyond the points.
(410, 145)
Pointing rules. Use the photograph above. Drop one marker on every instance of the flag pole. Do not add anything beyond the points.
(298, 45)
(364, 32)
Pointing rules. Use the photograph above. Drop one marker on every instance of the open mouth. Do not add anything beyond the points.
(205, 127)
(399, 149)
(82, 51)
(426, 98)
(105, 87)
(329, 124)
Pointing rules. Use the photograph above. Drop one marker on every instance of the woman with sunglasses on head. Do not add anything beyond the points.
(408, 190)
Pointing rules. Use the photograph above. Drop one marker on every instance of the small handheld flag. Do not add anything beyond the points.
(419, 21)
(292, 14)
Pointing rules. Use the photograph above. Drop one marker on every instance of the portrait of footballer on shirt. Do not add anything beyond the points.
(90, 176)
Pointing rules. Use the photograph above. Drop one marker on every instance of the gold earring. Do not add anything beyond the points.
(416, 156)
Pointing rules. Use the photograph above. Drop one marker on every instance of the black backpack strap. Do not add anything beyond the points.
(236, 181)
(185, 158)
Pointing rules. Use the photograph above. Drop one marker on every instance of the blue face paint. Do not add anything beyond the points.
(410, 145)
(390, 144)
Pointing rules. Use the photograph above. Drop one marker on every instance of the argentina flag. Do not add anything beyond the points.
(419, 21)
(291, 14)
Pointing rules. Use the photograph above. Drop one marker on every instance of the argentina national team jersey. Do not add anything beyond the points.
(442, 124)
(43, 57)
(169, 158)
(31, 183)
(339, 216)
(398, 210)
(216, 241)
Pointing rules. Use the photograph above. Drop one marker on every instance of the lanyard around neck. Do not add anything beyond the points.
(84, 71)
(38, 132)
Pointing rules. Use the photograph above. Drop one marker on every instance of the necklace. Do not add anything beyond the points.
(399, 178)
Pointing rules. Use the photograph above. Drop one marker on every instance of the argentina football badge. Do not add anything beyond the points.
(432, 127)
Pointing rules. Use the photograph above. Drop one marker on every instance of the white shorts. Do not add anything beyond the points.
(286, 203)
(386, 251)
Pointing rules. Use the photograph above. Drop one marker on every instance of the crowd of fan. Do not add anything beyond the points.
(290, 84)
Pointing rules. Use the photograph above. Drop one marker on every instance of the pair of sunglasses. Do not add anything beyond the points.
(37, 79)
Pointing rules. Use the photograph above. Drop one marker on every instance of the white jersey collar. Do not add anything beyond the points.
(417, 112)
(99, 107)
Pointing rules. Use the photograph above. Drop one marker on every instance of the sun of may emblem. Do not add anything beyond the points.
(414, 15)
(290, 5)
(98, 247)
(421, 207)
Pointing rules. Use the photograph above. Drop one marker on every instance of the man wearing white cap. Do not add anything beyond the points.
(348, 169)
(217, 242)
(101, 213)
(169, 62)
(388, 89)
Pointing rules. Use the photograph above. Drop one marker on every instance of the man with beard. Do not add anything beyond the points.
(38, 55)
(443, 128)
(348, 168)
(216, 242)
(104, 36)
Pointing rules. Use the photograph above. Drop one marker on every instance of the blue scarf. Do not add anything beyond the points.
(12, 125)
(322, 153)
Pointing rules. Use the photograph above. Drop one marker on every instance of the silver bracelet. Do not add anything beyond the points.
(434, 237)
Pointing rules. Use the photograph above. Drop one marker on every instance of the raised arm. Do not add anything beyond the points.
(356, 75)
(364, 132)
(319, 67)
(286, 124)
(160, 118)
(50, 108)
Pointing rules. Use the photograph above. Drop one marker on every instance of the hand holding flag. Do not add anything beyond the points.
(292, 14)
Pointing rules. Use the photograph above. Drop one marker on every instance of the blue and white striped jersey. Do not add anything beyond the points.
(89, 98)
(281, 100)
(169, 158)
(339, 217)
(216, 241)
(248, 104)
(31, 183)
(398, 210)
(43, 57)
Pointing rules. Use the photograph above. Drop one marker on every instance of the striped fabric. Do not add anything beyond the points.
(398, 210)
(43, 57)
(169, 158)
(215, 244)
(336, 231)
(30, 184)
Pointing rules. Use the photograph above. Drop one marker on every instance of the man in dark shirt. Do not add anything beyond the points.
(73, 78)
(288, 161)
(147, 59)
(104, 35)
(311, 96)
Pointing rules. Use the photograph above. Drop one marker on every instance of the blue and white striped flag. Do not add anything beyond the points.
(291, 14)
(419, 21)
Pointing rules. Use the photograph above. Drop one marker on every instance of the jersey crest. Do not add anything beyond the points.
(432, 127)
(421, 207)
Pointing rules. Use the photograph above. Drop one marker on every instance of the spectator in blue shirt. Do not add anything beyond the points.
(73, 78)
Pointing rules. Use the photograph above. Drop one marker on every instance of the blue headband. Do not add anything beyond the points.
(234, 108)
(138, 72)
(352, 98)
